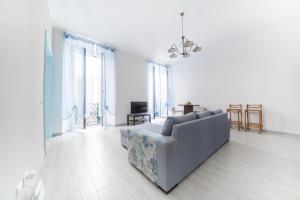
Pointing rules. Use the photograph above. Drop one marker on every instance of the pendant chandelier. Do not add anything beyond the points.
(186, 46)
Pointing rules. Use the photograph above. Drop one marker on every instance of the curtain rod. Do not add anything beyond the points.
(68, 35)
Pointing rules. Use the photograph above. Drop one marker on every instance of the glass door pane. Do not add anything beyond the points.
(93, 114)
(78, 88)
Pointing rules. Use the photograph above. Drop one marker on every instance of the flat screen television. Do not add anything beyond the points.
(139, 107)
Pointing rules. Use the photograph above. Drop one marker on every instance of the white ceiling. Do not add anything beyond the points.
(147, 28)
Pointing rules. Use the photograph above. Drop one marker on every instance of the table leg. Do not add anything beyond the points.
(230, 119)
(245, 120)
(260, 122)
(239, 120)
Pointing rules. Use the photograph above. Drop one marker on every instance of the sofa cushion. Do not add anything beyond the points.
(170, 121)
(218, 111)
(204, 114)
(167, 128)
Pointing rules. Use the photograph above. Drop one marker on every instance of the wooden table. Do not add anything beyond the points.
(133, 117)
(187, 108)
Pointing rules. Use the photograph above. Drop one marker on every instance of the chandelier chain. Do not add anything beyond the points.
(182, 24)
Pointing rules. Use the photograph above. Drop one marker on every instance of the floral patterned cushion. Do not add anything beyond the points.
(142, 153)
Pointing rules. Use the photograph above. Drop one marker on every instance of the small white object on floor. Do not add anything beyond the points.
(39, 193)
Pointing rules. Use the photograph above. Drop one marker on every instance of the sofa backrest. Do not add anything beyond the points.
(217, 121)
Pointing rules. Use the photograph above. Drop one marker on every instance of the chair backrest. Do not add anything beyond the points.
(257, 107)
(235, 106)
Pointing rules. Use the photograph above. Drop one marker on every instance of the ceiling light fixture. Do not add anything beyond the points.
(186, 45)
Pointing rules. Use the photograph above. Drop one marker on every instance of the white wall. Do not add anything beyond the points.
(255, 63)
(23, 25)
(131, 83)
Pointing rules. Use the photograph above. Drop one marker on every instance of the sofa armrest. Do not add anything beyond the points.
(150, 152)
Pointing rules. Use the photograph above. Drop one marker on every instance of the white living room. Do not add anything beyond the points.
(109, 100)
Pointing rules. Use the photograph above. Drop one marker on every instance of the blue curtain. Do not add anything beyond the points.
(159, 89)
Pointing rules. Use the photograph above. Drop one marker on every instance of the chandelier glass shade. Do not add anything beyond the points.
(186, 46)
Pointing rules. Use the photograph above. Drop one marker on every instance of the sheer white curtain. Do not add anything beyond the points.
(164, 90)
(159, 90)
(72, 83)
(151, 96)
(109, 86)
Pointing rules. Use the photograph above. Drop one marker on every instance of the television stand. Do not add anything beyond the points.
(138, 117)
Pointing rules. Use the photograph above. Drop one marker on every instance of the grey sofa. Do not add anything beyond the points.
(166, 160)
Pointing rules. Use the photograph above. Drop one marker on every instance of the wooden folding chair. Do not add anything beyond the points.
(257, 110)
(235, 109)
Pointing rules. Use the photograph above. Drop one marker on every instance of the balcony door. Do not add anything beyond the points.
(88, 85)
(89, 90)
(93, 93)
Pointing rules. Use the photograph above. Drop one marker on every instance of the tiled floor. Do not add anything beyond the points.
(93, 165)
